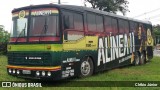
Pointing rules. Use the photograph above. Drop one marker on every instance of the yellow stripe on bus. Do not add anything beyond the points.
(35, 47)
(85, 43)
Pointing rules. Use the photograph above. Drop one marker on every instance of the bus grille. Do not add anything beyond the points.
(29, 58)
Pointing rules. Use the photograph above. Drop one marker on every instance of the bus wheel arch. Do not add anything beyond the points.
(86, 66)
(94, 64)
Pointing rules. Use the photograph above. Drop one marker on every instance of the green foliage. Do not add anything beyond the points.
(156, 30)
(110, 5)
(4, 38)
(156, 34)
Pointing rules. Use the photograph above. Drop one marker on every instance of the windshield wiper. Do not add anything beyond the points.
(23, 30)
(45, 28)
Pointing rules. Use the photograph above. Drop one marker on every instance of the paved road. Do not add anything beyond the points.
(156, 52)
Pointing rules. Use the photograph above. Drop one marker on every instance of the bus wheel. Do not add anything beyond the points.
(86, 67)
(143, 59)
(136, 59)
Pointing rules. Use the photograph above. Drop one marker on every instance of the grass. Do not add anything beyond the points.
(147, 72)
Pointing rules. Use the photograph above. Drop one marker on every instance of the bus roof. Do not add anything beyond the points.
(80, 9)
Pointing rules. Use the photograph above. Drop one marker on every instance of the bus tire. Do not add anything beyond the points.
(136, 59)
(142, 59)
(86, 67)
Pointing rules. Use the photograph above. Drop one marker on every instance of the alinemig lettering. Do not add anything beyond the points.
(113, 47)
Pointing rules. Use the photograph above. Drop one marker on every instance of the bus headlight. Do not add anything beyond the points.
(49, 73)
(14, 71)
(18, 72)
(9, 70)
(37, 73)
(43, 73)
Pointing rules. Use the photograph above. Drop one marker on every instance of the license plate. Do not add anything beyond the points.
(26, 71)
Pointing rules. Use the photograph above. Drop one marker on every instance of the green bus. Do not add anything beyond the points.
(55, 42)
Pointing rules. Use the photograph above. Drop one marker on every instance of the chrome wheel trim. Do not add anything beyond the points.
(85, 68)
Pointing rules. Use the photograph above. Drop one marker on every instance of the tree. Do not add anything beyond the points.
(4, 38)
(156, 34)
(156, 29)
(110, 5)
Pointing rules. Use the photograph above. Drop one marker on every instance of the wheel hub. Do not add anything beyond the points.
(85, 68)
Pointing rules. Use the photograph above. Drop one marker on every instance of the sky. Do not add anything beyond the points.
(139, 9)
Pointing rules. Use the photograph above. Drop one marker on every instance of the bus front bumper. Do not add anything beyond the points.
(35, 72)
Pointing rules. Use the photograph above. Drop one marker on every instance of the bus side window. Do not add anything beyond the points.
(91, 20)
(73, 26)
(78, 21)
(95, 22)
(133, 26)
(111, 26)
(123, 26)
(68, 20)
(108, 25)
(114, 26)
(127, 27)
(99, 23)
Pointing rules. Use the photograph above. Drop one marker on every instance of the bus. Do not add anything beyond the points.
(55, 42)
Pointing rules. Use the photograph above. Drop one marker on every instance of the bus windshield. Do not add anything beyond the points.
(42, 24)
(19, 27)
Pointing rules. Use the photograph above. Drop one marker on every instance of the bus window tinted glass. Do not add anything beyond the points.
(91, 20)
(44, 26)
(68, 20)
(114, 26)
(111, 26)
(78, 21)
(19, 27)
(133, 26)
(99, 23)
(123, 26)
(108, 25)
